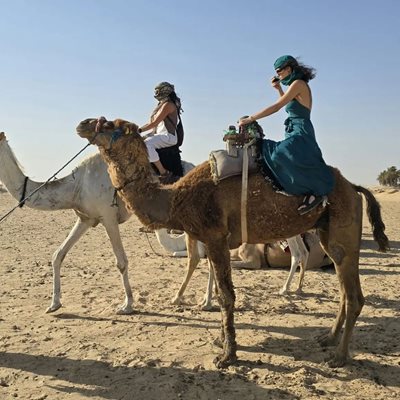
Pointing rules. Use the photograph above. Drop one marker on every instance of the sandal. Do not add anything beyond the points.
(310, 201)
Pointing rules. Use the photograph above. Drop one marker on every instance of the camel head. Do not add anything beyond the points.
(105, 133)
(119, 143)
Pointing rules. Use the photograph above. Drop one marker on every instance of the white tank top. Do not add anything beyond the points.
(161, 129)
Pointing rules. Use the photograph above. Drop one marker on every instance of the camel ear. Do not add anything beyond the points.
(130, 128)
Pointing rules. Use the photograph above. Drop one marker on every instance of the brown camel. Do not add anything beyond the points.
(211, 213)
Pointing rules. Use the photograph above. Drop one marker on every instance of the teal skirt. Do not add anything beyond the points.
(296, 162)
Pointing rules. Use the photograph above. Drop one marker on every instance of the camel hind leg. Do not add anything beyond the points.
(343, 247)
(206, 304)
(193, 260)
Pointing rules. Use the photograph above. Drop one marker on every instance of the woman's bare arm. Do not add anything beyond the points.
(163, 112)
(294, 90)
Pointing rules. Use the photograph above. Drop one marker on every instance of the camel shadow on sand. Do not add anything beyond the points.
(302, 346)
(368, 243)
(300, 343)
(100, 379)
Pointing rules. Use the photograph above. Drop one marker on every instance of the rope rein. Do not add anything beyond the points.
(24, 199)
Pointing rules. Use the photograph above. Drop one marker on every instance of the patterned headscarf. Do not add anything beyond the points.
(289, 61)
(163, 90)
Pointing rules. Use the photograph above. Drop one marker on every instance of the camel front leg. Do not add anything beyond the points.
(76, 233)
(192, 262)
(218, 251)
(114, 235)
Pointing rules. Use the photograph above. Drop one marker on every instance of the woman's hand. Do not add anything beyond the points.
(245, 121)
(275, 83)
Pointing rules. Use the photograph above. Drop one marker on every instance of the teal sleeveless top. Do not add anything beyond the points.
(296, 162)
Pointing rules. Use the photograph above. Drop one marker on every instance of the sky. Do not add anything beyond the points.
(63, 61)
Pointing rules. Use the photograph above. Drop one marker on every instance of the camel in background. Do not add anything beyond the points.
(211, 213)
(305, 252)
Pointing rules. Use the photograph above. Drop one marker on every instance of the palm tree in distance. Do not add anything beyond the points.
(389, 177)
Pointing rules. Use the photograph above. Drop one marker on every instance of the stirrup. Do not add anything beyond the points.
(307, 206)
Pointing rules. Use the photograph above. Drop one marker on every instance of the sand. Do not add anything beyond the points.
(85, 350)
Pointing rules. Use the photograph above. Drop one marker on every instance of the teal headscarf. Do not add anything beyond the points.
(285, 61)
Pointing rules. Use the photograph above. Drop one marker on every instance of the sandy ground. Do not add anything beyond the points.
(85, 350)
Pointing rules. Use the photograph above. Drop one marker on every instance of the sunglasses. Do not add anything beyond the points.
(279, 70)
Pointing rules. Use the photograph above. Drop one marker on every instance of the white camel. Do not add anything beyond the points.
(88, 191)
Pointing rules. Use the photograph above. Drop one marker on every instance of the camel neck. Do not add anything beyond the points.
(53, 196)
(136, 182)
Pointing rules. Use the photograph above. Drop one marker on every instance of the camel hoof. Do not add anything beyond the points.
(126, 310)
(205, 307)
(177, 301)
(53, 307)
(337, 361)
(223, 361)
(327, 340)
(283, 292)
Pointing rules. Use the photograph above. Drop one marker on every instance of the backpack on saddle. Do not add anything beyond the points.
(241, 152)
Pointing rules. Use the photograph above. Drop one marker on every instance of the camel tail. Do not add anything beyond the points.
(375, 218)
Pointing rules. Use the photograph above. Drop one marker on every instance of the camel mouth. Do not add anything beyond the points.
(86, 128)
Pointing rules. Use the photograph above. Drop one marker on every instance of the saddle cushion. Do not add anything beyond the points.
(223, 165)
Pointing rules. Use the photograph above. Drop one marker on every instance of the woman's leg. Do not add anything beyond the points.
(153, 143)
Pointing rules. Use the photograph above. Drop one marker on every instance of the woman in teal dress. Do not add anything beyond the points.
(295, 162)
